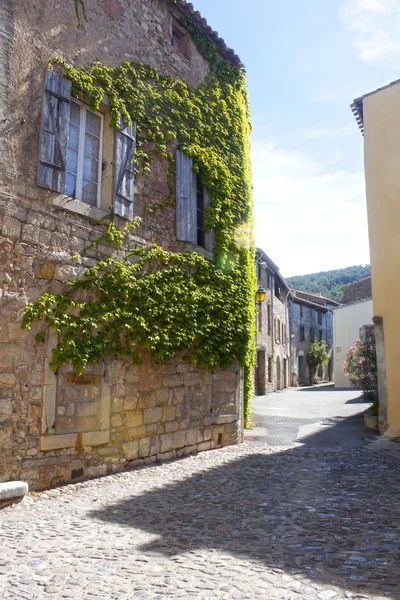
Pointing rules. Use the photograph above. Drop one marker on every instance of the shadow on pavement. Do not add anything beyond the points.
(333, 516)
(328, 387)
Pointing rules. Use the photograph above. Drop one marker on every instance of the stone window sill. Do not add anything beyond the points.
(63, 202)
(69, 440)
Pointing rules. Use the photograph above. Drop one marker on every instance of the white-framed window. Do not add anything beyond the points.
(84, 156)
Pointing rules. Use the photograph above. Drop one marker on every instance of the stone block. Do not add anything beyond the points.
(6, 408)
(117, 405)
(147, 399)
(130, 403)
(171, 426)
(172, 380)
(168, 413)
(44, 269)
(152, 415)
(96, 471)
(136, 433)
(13, 489)
(10, 228)
(30, 233)
(177, 396)
(179, 439)
(191, 437)
(144, 447)
(204, 446)
(151, 429)
(131, 449)
(116, 420)
(166, 456)
(167, 442)
(134, 418)
(162, 397)
(7, 379)
(192, 379)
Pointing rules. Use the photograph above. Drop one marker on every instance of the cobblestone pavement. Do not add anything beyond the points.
(241, 522)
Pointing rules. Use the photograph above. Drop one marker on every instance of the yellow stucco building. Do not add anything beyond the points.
(378, 116)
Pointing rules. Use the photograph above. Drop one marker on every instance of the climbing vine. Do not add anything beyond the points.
(152, 298)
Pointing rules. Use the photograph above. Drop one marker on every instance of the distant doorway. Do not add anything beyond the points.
(302, 368)
(278, 374)
(284, 373)
(260, 373)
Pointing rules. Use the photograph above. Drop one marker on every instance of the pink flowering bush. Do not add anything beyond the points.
(360, 365)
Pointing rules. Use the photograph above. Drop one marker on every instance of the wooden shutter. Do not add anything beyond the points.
(124, 171)
(54, 132)
(185, 199)
(209, 236)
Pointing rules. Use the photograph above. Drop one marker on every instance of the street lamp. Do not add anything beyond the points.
(260, 295)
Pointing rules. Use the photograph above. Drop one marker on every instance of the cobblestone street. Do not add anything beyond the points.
(243, 522)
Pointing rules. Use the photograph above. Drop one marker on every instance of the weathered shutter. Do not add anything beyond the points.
(185, 199)
(124, 171)
(209, 236)
(54, 132)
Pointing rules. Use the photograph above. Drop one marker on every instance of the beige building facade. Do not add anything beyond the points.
(377, 114)
(60, 427)
(348, 320)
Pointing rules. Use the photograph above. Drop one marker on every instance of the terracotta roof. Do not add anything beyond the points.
(315, 299)
(357, 105)
(204, 27)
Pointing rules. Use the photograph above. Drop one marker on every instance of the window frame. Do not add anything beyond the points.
(81, 153)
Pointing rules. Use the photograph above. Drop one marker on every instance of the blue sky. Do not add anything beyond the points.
(306, 62)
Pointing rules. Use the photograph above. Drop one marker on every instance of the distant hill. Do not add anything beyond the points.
(329, 283)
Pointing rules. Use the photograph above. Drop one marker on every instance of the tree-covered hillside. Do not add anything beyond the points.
(329, 283)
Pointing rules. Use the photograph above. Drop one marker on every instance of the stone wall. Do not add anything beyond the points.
(271, 345)
(304, 315)
(359, 290)
(56, 428)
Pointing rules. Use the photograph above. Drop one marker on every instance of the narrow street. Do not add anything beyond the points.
(307, 509)
(317, 416)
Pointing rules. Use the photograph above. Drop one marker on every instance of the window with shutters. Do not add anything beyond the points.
(312, 334)
(84, 156)
(191, 202)
(301, 333)
(79, 155)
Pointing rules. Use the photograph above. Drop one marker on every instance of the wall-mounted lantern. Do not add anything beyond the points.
(260, 295)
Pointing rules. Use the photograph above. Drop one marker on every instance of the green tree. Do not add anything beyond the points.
(317, 357)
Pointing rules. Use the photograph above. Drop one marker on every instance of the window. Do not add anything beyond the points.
(301, 333)
(301, 311)
(70, 154)
(321, 335)
(84, 154)
(269, 369)
(180, 39)
(269, 318)
(319, 318)
(278, 331)
(312, 334)
(191, 203)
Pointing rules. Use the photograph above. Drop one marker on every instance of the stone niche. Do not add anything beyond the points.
(76, 408)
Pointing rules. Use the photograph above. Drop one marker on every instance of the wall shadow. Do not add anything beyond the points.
(333, 516)
(329, 387)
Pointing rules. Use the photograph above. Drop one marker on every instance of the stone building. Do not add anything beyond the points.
(61, 427)
(357, 291)
(272, 367)
(311, 319)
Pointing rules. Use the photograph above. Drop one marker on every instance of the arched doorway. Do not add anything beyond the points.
(278, 373)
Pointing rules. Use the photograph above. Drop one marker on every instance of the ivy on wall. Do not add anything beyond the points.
(154, 299)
